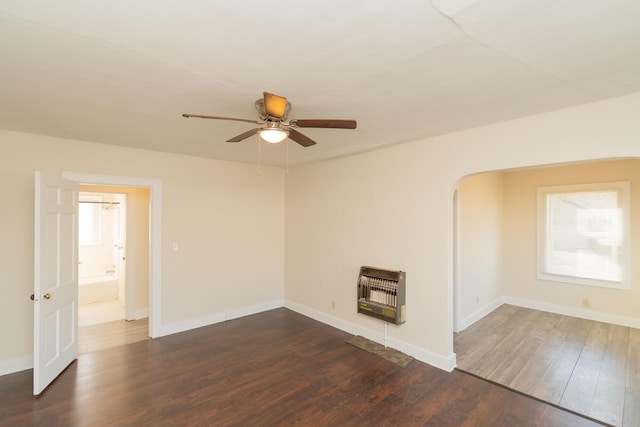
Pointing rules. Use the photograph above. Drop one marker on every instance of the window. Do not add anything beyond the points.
(90, 221)
(584, 234)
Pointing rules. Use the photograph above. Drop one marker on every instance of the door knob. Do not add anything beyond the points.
(47, 296)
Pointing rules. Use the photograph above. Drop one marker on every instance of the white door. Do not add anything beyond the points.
(56, 279)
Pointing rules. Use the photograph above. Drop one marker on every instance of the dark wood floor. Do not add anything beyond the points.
(271, 369)
(586, 366)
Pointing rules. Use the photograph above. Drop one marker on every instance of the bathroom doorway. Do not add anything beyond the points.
(101, 257)
(113, 269)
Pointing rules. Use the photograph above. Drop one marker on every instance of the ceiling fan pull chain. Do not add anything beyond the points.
(259, 155)
(286, 143)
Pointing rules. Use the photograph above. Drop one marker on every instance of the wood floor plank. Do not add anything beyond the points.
(633, 362)
(506, 344)
(580, 389)
(276, 368)
(555, 379)
(507, 371)
(497, 317)
(471, 345)
(609, 396)
(631, 415)
(532, 375)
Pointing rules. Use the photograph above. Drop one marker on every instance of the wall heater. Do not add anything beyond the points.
(381, 294)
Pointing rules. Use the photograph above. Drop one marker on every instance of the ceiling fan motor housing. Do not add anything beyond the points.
(263, 115)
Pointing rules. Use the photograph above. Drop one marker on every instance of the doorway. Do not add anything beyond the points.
(101, 257)
(153, 188)
(113, 270)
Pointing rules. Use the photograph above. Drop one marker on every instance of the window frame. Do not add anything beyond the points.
(624, 200)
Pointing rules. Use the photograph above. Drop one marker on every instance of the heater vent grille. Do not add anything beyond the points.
(381, 294)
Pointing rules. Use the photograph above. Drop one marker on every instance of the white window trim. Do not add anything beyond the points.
(625, 188)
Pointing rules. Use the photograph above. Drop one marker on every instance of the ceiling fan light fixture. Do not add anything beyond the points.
(274, 135)
(274, 126)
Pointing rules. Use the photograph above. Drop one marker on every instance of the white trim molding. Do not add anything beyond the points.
(155, 236)
(16, 365)
(575, 312)
(212, 319)
(612, 232)
(142, 313)
(446, 363)
(479, 314)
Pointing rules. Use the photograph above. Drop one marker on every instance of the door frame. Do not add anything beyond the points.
(155, 233)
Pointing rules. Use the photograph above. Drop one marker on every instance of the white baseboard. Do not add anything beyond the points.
(16, 365)
(142, 313)
(446, 363)
(177, 327)
(479, 314)
(575, 312)
(254, 309)
(20, 364)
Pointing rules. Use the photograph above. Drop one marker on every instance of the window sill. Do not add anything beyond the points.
(573, 280)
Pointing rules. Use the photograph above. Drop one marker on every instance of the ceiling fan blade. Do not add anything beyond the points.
(324, 123)
(200, 116)
(274, 105)
(245, 135)
(301, 139)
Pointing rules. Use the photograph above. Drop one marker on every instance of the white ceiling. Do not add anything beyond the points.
(122, 72)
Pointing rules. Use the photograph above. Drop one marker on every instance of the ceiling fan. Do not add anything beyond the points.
(273, 111)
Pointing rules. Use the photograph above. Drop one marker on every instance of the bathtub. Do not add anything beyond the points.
(96, 289)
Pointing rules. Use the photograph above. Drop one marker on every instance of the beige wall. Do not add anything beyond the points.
(227, 219)
(480, 252)
(520, 207)
(393, 208)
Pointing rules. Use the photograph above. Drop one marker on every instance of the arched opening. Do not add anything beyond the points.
(565, 343)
